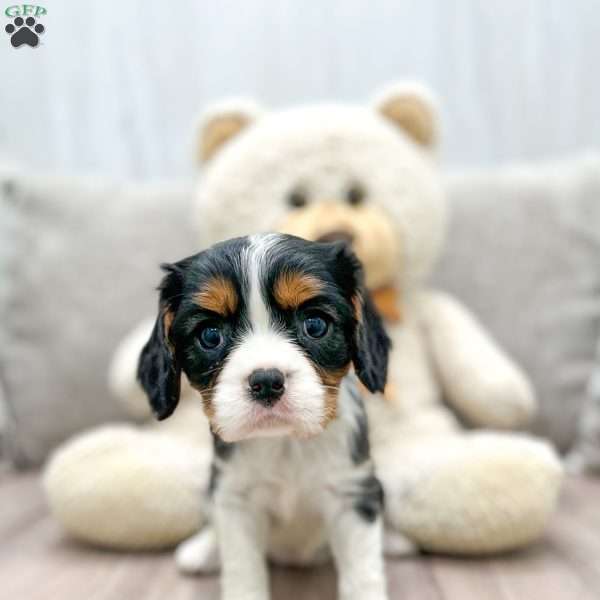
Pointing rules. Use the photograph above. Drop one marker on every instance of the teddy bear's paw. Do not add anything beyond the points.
(396, 544)
(122, 487)
(471, 494)
(122, 372)
(199, 554)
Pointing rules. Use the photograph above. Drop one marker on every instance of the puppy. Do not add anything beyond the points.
(266, 328)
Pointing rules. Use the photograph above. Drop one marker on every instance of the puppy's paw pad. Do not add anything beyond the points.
(396, 544)
(198, 554)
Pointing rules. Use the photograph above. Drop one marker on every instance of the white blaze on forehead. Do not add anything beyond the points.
(256, 260)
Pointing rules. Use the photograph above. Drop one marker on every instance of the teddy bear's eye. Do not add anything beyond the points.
(297, 198)
(356, 195)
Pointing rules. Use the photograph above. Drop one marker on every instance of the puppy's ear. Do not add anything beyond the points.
(159, 372)
(372, 348)
(370, 342)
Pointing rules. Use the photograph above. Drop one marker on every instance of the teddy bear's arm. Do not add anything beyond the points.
(122, 374)
(478, 379)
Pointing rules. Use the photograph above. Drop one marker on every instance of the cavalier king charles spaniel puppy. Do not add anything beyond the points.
(277, 334)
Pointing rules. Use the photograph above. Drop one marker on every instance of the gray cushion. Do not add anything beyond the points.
(79, 268)
(524, 254)
(585, 456)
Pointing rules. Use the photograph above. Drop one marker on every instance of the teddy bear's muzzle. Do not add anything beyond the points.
(338, 235)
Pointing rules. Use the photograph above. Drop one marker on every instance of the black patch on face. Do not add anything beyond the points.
(360, 449)
(163, 359)
(358, 338)
(369, 500)
(294, 255)
(202, 365)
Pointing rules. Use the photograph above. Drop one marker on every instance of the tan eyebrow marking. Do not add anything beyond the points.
(218, 295)
(293, 289)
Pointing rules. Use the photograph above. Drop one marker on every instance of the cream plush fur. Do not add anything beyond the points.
(448, 488)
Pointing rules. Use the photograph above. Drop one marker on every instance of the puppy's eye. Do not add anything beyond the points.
(356, 195)
(315, 327)
(297, 198)
(210, 337)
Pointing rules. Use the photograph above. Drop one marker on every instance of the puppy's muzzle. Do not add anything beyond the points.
(266, 386)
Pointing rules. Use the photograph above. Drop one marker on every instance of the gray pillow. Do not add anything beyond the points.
(79, 263)
(585, 457)
(4, 422)
(523, 253)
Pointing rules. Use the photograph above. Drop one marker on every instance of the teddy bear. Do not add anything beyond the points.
(456, 480)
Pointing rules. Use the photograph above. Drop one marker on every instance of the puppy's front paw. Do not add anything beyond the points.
(199, 554)
(378, 594)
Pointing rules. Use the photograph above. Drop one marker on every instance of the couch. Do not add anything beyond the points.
(78, 263)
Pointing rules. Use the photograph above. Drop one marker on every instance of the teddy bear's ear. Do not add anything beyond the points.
(221, 123)
(412, 107)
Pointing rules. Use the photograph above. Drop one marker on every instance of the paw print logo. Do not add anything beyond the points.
(24, 32)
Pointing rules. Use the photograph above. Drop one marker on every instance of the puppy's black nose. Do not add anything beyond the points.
(266, 386)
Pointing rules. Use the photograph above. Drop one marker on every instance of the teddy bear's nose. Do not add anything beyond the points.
(338, 235)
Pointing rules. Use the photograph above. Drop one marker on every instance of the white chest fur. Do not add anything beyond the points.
(297, 483)
(295, 501)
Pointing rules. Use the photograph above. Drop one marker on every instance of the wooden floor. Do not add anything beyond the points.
(37, 562)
